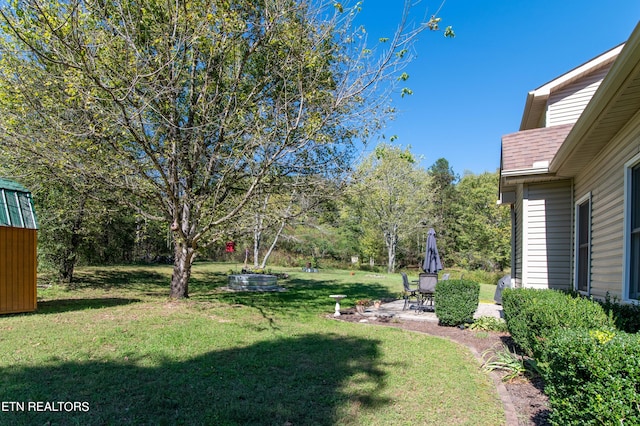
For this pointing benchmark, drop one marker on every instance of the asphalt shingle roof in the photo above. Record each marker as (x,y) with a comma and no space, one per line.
(522,149)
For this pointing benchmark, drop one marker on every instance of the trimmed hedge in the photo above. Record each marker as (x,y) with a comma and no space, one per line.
(593,377)
(456,301)
(533,316)
(626,316)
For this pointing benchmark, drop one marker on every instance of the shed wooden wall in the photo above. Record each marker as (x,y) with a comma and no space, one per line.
(17,269)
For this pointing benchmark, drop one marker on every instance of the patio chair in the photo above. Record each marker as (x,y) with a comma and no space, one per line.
(427,288)
(409,293)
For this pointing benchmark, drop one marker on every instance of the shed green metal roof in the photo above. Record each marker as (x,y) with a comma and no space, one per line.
(16,206)
(11,185)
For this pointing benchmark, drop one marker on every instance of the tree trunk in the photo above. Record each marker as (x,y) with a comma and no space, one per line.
(391,240)
(183,258)
(70,256)
(273,245)
(257,236)
(391,265)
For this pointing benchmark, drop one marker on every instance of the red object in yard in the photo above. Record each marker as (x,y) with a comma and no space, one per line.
(231,247)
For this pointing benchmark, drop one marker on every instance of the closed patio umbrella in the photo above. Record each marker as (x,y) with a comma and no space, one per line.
(432,262)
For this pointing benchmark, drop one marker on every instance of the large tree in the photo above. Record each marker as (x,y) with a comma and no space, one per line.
(392,194)
(442,207)
(191,106)
(483,239)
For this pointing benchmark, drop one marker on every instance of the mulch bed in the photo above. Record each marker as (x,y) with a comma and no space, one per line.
(525,403)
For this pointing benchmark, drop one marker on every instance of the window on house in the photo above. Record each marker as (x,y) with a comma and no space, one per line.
(634,233)
(583,244)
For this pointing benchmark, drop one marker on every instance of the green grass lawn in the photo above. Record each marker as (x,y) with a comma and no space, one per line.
(127,355)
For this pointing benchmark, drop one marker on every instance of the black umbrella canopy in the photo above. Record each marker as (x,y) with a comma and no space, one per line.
(432,262)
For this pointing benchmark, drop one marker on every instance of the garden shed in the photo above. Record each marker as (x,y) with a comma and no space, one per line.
(18,241)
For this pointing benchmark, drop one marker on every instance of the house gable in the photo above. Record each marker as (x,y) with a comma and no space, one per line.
(563,99)
(566,104)
(612,107)
(549,115)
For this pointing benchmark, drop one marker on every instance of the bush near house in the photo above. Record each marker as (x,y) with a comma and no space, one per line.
(533,316)
(593,377)
(456,301)
(591,369)
(626,317)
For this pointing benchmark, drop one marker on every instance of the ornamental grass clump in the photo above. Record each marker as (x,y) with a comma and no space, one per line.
(487,323)
(505,361)
(456,301)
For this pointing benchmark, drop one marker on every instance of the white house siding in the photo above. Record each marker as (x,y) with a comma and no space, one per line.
(566,105)
(516,248)
(605,179)
(546,240)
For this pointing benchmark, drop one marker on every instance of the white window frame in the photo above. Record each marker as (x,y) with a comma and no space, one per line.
(6,205)
(626,241)
(576,244)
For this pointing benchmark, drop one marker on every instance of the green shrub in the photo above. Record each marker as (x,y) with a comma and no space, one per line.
(533,315)
(368,268)
(593,377)
(456,301)
(625,316)
(488,323)
(484,277)
(477,275)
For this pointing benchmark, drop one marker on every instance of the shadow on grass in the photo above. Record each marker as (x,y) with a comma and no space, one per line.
(307,380)
(152,279)
(302,296)
(65,305)
(122,278)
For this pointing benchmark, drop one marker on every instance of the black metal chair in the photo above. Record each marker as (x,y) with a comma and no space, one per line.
(427,289)
(409,293)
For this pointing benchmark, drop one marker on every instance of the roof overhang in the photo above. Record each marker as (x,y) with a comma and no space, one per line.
(614,104)
(510,180)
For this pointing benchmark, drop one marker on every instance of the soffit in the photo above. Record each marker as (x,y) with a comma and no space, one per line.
(611,108)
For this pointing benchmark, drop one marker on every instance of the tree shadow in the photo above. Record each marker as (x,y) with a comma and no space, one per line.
(66,305)
(314,379)
(301,293)
(301,296)
(116,278)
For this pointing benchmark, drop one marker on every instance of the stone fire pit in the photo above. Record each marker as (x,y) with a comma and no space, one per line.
(254,282)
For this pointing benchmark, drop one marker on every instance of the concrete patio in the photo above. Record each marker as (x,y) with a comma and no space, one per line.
(394,310)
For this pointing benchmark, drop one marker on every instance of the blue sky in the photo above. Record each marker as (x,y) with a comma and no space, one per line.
(470,90)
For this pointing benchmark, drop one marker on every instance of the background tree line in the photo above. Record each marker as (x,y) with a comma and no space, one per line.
(381,216)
